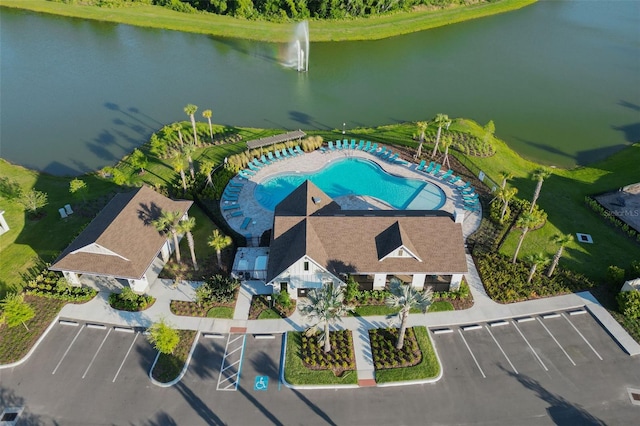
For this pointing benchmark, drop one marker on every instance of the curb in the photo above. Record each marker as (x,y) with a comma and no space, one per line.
(184,369)
(305,387)
(34,347)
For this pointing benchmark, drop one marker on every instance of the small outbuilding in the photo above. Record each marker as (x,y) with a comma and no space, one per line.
(121,241)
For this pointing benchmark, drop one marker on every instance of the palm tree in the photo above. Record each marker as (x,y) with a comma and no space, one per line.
(535,259)
(406,297)
(540,175)
(441,120)
(562,240)
(524,222)
(446,143)
(324,306)
(185,227)
(422,127)
(206,168)
(505,195)
(207,113)
(177,127)
(219,242)
(177,161)
(188,151)
(168,224)
(505,177)
(190,110)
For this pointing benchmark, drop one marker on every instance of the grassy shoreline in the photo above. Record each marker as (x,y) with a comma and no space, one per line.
(374,28)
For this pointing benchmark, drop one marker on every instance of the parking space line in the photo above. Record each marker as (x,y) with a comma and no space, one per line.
(501,350)
(96,354)
(125,357)
(530,347)
(554,339)
(233,379)
(68,349)
(229,366)
(583,338)
(471,352)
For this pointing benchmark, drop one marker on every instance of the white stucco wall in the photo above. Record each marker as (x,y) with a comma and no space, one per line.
(418,281)
(379,281)
(456,279)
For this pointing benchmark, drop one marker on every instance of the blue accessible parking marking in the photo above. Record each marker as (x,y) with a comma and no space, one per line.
(261,383)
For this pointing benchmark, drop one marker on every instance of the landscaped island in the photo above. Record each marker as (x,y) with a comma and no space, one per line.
(420,18)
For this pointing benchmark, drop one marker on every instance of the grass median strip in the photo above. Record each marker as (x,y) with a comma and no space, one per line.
(169,366)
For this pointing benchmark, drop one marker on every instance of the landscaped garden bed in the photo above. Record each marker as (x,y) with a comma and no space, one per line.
(306,363)
(276,308)
(53,285)
(415,361)
(169,366)
(208,309)
(15,342)
(129,301)
(215,298)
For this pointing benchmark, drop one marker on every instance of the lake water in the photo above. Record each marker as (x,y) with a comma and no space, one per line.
(560,79)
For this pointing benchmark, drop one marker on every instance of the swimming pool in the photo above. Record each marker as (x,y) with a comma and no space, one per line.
(354,176)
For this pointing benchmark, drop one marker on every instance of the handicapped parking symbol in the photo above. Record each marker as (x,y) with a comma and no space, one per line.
(261,383)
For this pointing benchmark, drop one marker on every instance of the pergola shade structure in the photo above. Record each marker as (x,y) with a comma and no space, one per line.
(283,137)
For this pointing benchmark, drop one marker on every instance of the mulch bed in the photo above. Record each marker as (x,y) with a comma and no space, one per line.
(385,354)
(259,304)
(339,359)
(192,309)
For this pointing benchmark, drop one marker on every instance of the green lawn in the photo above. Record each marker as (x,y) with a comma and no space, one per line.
(428,368)
(269,314)
(328,30)
(440,306)
(45,238)
(296,373)
(220,312)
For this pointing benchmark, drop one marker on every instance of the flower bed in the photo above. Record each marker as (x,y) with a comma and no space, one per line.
(339,360)
(53,285)
(195,309)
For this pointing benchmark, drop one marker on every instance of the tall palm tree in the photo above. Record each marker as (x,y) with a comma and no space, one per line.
(207,113)
(185,227)
(562,240)
(441,120)
(219,242)
(206,168)
(446,143)
(422,127)
(188,151)
(190,110)
(505,195)
(168,223)
(535,259)
(524,222)
(177,161)
(505,177)
(406,297)
(539,175)
(323,307)
(177,127)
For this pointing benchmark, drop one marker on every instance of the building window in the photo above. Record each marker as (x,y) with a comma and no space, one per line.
(306,266)
(400,252)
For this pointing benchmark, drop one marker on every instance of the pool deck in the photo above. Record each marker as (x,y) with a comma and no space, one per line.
(261,219)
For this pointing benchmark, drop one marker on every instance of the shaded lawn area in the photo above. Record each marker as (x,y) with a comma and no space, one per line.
(220,312)
(28,240)
(16,341)
(169,366)
(428,368)
(296,373)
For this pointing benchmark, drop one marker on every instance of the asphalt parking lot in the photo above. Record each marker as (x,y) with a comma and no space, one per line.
(93,352)
(542,344)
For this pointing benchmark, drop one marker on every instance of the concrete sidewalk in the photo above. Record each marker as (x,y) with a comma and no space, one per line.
(484,310)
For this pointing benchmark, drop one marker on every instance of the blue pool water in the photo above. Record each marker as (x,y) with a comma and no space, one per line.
(352,176)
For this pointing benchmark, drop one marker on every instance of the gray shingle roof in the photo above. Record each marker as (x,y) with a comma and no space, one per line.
(123,227)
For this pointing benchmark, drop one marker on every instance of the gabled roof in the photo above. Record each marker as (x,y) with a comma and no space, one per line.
(393,238)
(350,241)
(121,241)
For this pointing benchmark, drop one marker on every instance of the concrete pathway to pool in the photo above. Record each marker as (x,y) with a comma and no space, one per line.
(258,219)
